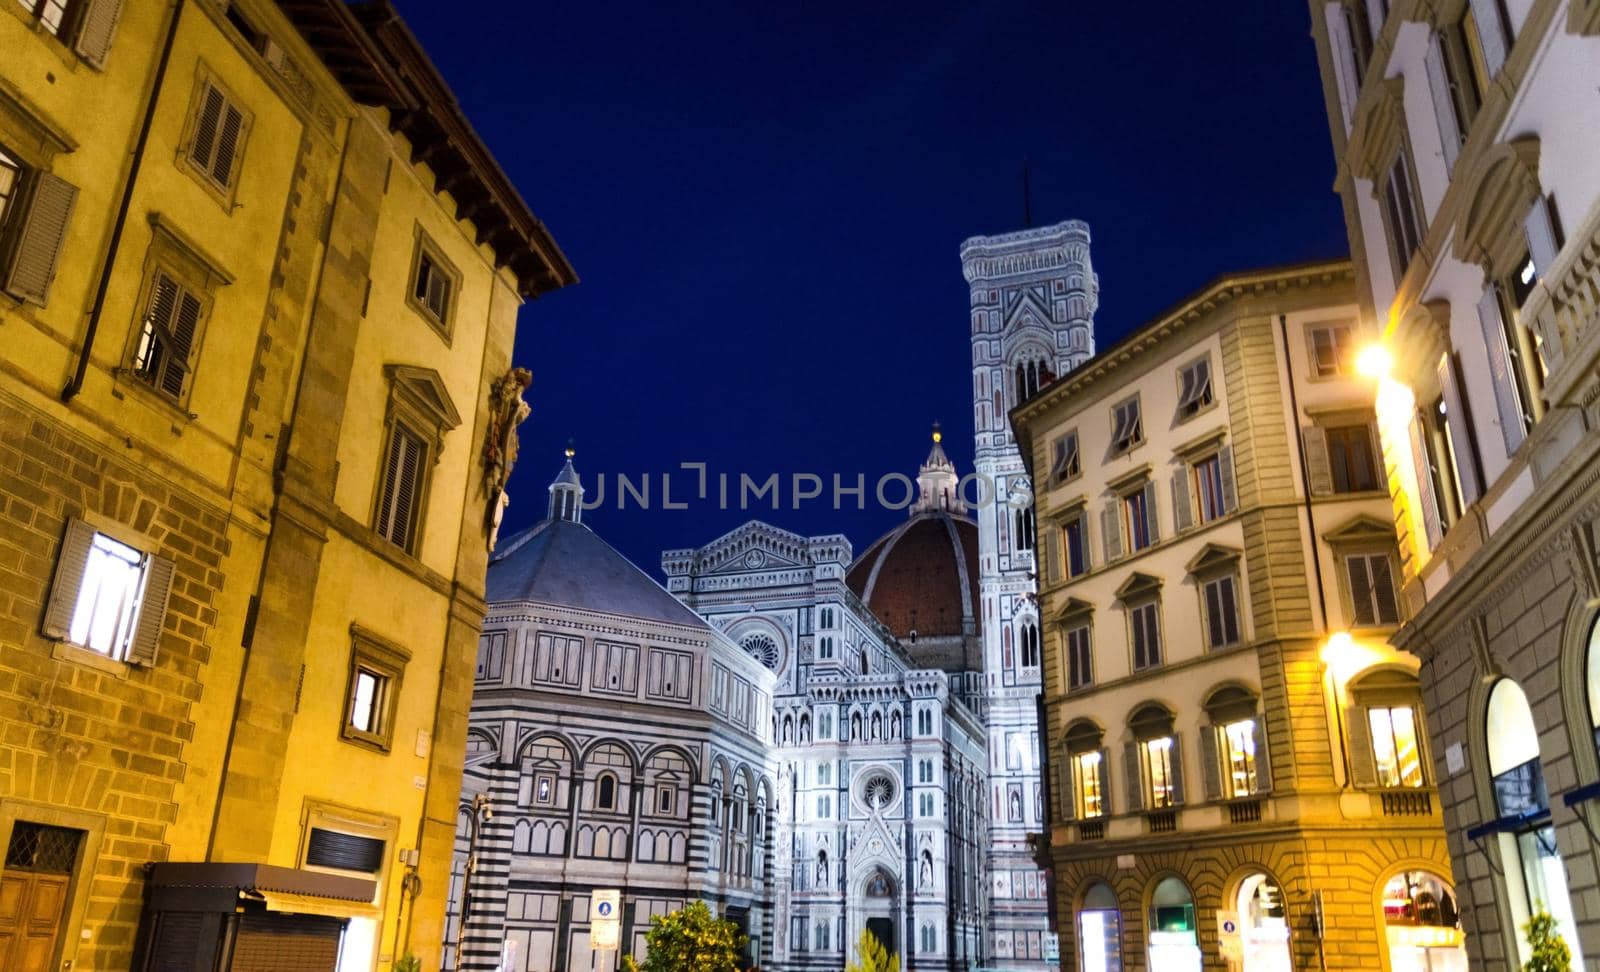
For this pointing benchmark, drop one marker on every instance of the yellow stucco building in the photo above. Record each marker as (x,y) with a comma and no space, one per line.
(1238,774)
(260,286)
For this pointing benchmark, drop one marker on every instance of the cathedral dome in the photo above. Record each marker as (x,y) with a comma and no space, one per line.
(921,578)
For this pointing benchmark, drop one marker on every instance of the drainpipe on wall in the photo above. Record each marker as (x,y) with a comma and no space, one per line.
(75,384)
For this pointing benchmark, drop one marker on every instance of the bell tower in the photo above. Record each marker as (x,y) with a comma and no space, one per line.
(1033,298)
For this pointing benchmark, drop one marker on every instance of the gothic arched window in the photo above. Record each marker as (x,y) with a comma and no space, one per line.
(606,792)
(1030,645)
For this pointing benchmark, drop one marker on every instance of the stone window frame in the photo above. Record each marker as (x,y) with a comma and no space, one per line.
(1384,687)
(372,653)
(178,256)
(144,652)
(419,401)
(1185,480)
(1314,445)
(1136,435)
(93,825)
(1066,457)
(1215,562)
(87,31)
(1149,721)
(34,221)
(1137,593)
(1076,615)
(443,324)
(1116,524)
(225,194)
(1380,138)
(1365,536)
(1082,738)
(1225,704)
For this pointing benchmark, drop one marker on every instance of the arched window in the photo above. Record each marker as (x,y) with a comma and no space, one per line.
(1174,938)
(1030,645)
(1534,872)
(605,795)
(1594,680)
(1100,929)
(1421,923)
(1032,374)
(863,660)
(1264,923)
(1023,524)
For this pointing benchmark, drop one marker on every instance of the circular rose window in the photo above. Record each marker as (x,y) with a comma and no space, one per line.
(763,649)
(878,791)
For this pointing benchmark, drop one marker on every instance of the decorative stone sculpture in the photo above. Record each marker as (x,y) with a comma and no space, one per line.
(506,412)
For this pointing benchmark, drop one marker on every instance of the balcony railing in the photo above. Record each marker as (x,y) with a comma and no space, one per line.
(1565,311)
(1244,811)
(1092,830)
(1406,803)
(1163,821)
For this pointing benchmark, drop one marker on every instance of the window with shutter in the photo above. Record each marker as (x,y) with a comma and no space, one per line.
(1074,536)
(165,345)
(1064,464)
(1222,612)
(1402,218)
(1211,501)
(1350,458)
(1144,622)
(1127,427)
(108,596)
(1080,666)
(1372,595)
(1194,388)
(35,209)
(400,490)
(1138,517)
(1332,350)
(216,138)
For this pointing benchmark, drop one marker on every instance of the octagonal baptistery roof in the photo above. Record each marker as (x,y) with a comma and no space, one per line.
(921,578)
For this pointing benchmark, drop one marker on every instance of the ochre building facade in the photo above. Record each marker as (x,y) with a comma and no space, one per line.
(1237,772)
(260,282)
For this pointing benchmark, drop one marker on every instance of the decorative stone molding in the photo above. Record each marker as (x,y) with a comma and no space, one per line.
(1505,182)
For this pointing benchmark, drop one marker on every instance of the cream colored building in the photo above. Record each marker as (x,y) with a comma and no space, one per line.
(1466,135)
(1235,761)
(258,278)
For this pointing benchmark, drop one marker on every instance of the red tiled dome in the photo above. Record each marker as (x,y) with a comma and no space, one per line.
(922,576)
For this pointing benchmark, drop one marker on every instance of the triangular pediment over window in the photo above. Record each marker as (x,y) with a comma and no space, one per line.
(1138,585)
(1075,607)
(1361,530)
(425,392)
(1211,557)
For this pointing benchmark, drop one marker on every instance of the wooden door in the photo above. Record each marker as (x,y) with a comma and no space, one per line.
(31,909)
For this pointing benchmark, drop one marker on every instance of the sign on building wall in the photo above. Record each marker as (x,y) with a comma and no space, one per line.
(605,920)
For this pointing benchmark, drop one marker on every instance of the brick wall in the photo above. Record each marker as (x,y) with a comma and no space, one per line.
(76,737)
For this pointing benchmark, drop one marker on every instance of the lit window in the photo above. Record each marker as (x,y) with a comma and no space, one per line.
(544,789)
(163,352)
(1239,776)
(51,14)
(10,179)
(108,597)
(374,688)
(1395,746)
(1156,755)
(1087,770)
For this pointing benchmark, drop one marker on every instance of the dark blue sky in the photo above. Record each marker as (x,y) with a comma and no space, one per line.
(765,202)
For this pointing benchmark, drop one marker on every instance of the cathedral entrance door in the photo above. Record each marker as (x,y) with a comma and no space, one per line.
(883,930)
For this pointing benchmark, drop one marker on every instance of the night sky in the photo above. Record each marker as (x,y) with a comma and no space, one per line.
(765,202)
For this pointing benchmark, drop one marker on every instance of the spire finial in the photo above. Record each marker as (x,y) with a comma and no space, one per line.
(937,435)
(570,450)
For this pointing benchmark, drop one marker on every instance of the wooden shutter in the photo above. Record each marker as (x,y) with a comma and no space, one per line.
(1344,50)
(1315,443)
(97,25)
(1069,789)
(1541,232)
(152,610)
(1461,435)
(1105,782)
(1151,519)
(1505,390)
(1131,772)
(1049,554)
(1491,36)
(1111,528)
(1230,493)
(1444,107)
(228,135)
(71,562)
(1215,632)
(409,473)
(1175,754)
(1182,507)
(1210,763)
(1140,647)
(1356,570)
(1388,608)
(1430,502)
(185,322)
(36,250)
(203,147)
(1263,758)
(1363,763)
